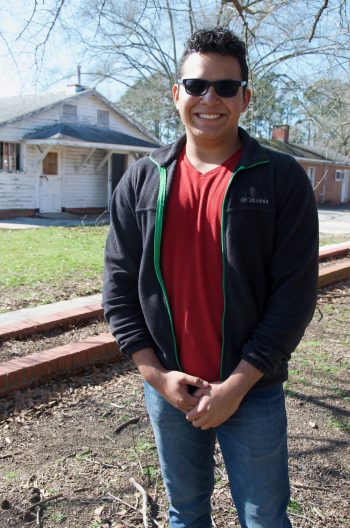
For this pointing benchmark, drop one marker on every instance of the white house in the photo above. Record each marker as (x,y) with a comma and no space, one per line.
(64,152)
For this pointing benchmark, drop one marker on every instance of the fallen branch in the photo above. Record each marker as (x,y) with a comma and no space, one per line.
(105,465)
(9,455)
(44,501)
(307,486)
(114,497)
(301,516)
(125,424)
(144,500)
(39,517)
(71,455)
(111,439)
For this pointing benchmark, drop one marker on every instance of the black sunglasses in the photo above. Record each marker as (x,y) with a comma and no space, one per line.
(225,88)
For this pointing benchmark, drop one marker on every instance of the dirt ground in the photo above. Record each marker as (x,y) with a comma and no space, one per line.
(45,293)
(75,442)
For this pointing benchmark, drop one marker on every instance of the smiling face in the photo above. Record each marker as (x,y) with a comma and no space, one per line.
(211,121)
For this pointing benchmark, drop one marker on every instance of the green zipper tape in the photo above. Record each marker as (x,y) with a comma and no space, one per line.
(157,247)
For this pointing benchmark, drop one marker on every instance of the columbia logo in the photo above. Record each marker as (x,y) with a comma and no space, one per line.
(253,196)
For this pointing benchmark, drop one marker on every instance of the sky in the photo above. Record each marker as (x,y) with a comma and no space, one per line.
(22,71)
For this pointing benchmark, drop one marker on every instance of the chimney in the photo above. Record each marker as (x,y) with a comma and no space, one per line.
(79,74)
(280,133)
(74,88)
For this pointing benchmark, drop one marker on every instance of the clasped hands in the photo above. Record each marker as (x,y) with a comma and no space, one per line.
(209,405)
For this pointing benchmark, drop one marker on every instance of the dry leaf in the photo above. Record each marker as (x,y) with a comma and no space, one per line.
(98,513)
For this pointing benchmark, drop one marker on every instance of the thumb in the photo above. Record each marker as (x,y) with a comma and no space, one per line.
(195,381)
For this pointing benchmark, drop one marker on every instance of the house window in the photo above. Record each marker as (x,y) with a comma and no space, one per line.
(70,112)
(9,156)
(311,174)
(50,164)
(339,175)
(103,118)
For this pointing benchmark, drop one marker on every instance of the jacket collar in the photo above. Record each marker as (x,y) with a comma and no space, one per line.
(252,153)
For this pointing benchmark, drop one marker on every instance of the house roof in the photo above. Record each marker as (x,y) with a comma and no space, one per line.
(88,133)
(23,106)
(306,151)
(19,106)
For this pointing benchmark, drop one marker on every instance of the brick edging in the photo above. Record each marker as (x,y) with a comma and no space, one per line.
(335,251)
(44,322)
(332,274)
(20,373)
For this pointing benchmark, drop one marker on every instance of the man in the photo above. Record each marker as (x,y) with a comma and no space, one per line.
(210,281)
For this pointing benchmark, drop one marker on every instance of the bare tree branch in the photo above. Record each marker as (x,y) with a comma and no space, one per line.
(318,16)
(29,21)
(52,25)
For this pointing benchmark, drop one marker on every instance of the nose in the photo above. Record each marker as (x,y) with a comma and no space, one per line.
(210,96)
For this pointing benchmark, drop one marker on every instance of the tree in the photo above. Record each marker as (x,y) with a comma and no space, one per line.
(271,103)
(326,115)
(138,42)
(157,112)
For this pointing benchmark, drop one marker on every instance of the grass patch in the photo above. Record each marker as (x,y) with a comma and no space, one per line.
(10,475)
(326,240)
(31,256)
(294,507)
(58,517)
(50,255)
(83,455)
(338,423)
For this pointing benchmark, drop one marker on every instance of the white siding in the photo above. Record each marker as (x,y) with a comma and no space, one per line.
(18,190)
(87,113)
(85,187)
(16,130)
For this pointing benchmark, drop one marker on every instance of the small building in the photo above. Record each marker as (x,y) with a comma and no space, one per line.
(328,171)
(64,152)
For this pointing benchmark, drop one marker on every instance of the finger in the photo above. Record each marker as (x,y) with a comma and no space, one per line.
(186,402)
(198,393)
(194,414)
(194,381)
(201,423)
(189,399)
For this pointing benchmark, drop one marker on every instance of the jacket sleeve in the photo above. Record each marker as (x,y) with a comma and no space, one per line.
(293,274)
(123,253)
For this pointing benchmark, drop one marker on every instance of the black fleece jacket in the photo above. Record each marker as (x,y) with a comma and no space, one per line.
(270,260)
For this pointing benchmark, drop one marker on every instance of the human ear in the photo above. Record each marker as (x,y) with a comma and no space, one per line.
(175,92)
(246,98)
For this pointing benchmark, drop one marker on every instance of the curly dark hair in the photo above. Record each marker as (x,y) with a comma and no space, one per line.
(216,40)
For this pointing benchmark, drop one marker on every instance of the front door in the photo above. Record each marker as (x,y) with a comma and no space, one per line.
(50,191)
(344,188)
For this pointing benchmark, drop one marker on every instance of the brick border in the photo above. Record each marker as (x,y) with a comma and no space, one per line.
(334,251)
(22,372)
(16,213)
(332,274)
(44,322)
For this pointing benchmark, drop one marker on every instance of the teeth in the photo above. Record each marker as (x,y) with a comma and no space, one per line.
(209,116)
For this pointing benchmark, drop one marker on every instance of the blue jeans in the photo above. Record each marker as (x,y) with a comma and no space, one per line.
(254,447)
